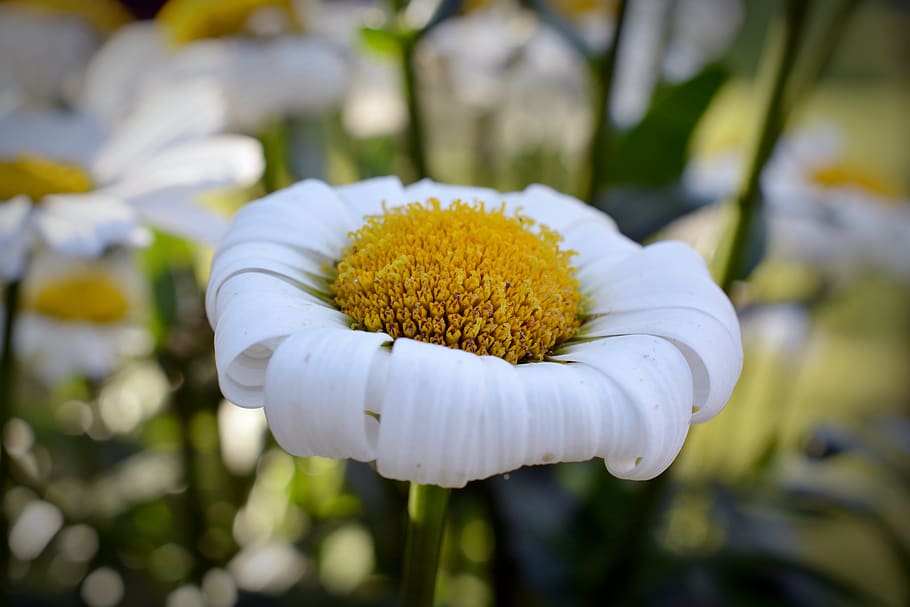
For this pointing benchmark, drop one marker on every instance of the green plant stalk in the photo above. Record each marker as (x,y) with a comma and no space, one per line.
(816,58)
(427,506)
(777,65)
(603,75)
(7,376)
(274,139)
(415,131)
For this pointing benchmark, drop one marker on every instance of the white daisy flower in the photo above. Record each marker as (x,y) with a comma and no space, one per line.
(81,316)
(66,182)
(46,44)
(822,209)
(249,48)
(333,307)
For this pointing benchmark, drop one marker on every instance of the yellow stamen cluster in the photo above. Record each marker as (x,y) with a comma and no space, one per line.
(463,277)
(90,297)
(36,177)
(844,175)
(188,20)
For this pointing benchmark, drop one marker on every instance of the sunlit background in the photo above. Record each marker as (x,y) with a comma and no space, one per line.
(130,481)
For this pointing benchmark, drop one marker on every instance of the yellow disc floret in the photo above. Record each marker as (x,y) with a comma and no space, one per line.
(189,20)
(464,277)
(89,297)
(36,177)
(845,175)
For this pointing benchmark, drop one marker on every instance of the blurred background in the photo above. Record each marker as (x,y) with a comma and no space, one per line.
(129,481)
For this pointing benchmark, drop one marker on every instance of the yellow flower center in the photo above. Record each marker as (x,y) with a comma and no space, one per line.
(189,20)
(463,277)
(843,175)
(103,15)
(89,297)
(36,177)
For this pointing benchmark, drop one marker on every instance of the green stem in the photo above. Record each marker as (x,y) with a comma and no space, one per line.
(604,70)
(277,174)
(415,132)
(427,505)
(815,59)
(7,373)
(779,56)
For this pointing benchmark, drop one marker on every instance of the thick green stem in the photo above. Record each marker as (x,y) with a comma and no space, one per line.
(779,58)
(277,172)
(415,133)
(604,70)
(427,505)
(7,373)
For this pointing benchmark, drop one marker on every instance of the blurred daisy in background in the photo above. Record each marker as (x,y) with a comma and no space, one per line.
(79,186)
(254,50)
(81,317)
(822,209)
(45,46)
(377,328)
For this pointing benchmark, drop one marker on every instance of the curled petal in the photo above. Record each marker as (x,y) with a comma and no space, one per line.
(316,393)
(553,209)
(253,314)
(308,215)
(647,412)
(666,291)
(597,242)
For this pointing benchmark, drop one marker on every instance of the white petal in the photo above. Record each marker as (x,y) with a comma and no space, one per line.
(665,290)
(308,215)
(253,314)
(64,136)
(112,79)
(447,193)
(597,241)
(85,224)
(316,397)
(449,416)
(16,236)
(178,211)
(366,197)
(164,118)
(272,259)
(210,162)
(553,209)
(648,410)
(565,406)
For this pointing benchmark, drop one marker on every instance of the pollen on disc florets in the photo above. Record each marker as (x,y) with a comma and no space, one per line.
(464,277)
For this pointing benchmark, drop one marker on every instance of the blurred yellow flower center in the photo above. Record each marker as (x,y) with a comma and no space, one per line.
(36,177)
(189,20)
(844,175)
(90,297)
(103,15)
(463,277)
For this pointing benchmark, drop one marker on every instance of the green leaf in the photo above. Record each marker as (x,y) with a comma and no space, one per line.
(655,151)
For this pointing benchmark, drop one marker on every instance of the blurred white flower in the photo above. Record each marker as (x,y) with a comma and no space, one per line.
(78,187)
(655,347)
(264,68)
(46,44)
(822,209)
(669,40)
(81,316)
(500,61)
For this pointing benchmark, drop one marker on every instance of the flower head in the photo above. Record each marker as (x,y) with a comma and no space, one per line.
(81,316)
(251,49)
(70,183)
(451,333)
